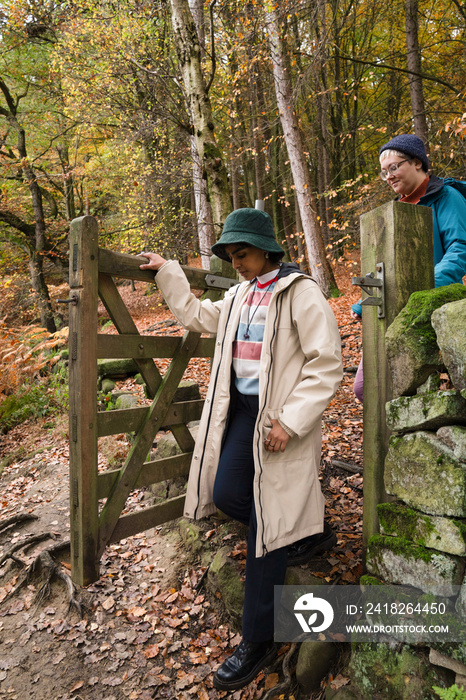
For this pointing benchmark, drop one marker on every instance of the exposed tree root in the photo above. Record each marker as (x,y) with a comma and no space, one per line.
(43,563)
(286,683)
(24,544)
(20,518)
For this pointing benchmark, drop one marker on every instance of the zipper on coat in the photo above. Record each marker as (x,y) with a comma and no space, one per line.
(212,404)
(259,437)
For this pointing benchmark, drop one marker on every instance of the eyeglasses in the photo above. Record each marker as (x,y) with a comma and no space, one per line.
(391,170)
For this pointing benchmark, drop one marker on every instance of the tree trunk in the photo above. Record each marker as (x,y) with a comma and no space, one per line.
(414,64)
(199,107)
(67,182)
(319,265)
(39,286)
(234,168)
(36,242)
(197,11)
(205,225)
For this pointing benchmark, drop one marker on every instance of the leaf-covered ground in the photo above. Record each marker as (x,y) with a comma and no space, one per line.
(148,628)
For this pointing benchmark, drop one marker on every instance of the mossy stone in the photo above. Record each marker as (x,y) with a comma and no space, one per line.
(126,401)
(448,321)
(428,411)
(455,650)
(224,582)
(454,437)
(314,662)
(444,534)
(167,446)
(378,671)
(432,383)
(190,534)
(424,473)
(410,341)
(108,385)
(116,368)
(398,561)
(187,391)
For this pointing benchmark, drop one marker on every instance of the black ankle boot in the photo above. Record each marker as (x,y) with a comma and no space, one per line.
(300,552)
(244,664)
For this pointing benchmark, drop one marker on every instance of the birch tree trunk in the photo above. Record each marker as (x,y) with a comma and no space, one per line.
(204,221)
(205,224)
(197,11)
(318,263)
(413,57)
(189,57)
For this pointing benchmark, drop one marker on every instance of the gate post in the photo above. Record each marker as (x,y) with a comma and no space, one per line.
(399,236)
(84,258)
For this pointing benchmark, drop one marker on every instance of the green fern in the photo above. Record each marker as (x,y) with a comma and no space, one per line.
(452,693)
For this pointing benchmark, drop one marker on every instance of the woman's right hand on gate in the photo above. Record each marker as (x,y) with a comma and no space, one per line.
(155,261)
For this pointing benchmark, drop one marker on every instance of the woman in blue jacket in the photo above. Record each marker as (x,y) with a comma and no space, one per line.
(405,166)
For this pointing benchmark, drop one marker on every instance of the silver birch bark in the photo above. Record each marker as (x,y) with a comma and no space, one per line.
(204,222)
(189,57)
(205,225)
(318,263)
(197,11)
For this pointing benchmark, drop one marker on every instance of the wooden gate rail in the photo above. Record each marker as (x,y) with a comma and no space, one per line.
(93,526)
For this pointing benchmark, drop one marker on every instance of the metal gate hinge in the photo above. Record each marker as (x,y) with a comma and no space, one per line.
(368,283)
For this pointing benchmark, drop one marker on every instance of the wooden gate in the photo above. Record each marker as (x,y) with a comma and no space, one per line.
(98,499)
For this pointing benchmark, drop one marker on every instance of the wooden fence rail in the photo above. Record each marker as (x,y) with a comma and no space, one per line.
(98,499)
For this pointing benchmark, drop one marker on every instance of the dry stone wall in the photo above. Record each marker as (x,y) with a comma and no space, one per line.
(422,540)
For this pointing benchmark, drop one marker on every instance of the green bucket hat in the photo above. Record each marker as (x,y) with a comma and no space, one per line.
(250,226)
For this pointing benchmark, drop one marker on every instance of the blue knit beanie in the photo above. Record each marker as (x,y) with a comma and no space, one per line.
(410,145)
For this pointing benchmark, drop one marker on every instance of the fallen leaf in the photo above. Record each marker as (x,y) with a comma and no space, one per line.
(151,651)
(339,682)
(77,686)
(271,681)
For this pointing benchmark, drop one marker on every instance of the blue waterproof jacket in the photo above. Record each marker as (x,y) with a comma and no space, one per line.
(449,227)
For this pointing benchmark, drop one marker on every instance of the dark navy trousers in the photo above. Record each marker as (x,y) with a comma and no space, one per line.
(233,495)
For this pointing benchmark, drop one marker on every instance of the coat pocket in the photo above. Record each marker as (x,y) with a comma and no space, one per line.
(293,448)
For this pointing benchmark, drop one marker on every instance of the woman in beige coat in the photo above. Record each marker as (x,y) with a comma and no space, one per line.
(276,367)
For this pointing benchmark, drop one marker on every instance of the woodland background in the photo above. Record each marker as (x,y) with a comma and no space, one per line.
(159,117)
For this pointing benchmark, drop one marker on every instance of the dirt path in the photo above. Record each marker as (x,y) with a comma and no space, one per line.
(142,620)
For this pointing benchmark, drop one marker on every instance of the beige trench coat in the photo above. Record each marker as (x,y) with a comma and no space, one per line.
(300,371)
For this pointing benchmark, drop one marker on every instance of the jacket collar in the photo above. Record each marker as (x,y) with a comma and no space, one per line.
(288,272)
(434,188)
(289,268)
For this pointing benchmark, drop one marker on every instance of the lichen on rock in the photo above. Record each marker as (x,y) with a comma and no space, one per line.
(411,343)
(424,473)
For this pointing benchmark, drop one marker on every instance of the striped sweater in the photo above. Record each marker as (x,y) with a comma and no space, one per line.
(250,334)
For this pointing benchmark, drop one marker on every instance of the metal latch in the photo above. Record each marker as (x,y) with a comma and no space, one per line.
(368,283)
(72,300)
(220,282)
